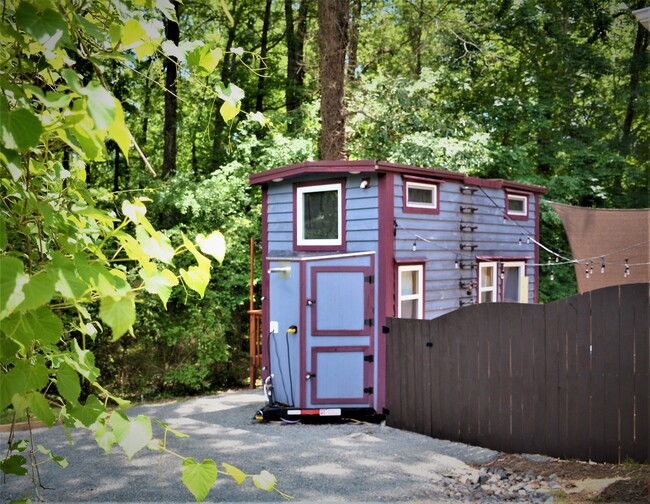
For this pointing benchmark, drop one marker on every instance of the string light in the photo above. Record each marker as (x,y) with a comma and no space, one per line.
(602,264)
(414,247)
(627,269)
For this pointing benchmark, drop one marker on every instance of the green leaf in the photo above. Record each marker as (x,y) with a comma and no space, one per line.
(83,361)
(118,314)
(23,377)
(214,244)
(67,382)
(155,244)
(119,132)
(3,234)
(14,465)
(158,282)
(12,160)
(204,59)
(12,281)
(134,211)
(60,461)
(196,278)
(89,412)
(228,111)
(169,429)
(8,349)
(100,105)
(20,130)
(38,291)
(131,435)
(38,406)
(105,438)
(47,27)
(235,473)
(199,477)
(35,325)
(66,281)
(265,481)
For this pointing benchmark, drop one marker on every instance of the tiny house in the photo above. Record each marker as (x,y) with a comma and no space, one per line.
(346,244)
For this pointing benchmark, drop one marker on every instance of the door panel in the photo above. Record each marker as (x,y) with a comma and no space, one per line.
(340,375)
(341,306)
(340,331)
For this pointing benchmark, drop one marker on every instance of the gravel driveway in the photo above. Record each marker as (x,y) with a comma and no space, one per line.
(318,463)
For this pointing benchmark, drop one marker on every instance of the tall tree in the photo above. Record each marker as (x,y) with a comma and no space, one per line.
(264,49)
(296,31)
(332,45)
(172,32)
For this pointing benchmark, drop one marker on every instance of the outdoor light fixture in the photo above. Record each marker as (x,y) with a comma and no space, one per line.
(365,183)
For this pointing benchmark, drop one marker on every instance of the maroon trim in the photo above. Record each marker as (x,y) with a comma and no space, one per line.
(536,269)
(526,195)
(324,248)
(364,166)
(302,299)
(367,303)
(508,259)
(385,284)
(414,261)
(367,370)
(413,209)
(265,284)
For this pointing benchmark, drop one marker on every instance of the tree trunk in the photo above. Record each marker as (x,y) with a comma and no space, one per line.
(295,35)
(332,45)
(639,61)
(259,102)
(353,46)
(172,32)
(226,71)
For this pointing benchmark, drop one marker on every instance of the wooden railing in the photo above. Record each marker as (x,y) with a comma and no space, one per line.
(255,336)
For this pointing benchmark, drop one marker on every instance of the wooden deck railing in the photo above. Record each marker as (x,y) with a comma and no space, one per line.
(255,335)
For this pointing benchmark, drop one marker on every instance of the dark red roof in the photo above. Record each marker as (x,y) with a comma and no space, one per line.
(369,166)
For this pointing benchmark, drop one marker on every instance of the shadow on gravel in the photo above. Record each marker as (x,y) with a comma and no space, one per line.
(328,462)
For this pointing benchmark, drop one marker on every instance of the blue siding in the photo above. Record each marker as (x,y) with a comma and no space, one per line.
(442,236)
(361,210)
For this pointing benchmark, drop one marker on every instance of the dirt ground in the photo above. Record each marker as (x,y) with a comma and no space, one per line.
(586,482)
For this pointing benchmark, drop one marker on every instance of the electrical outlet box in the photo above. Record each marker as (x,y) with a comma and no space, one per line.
(274,326)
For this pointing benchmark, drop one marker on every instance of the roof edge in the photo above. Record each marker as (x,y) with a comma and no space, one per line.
(365,166)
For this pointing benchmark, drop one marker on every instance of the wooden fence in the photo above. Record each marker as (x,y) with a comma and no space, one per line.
(569,379)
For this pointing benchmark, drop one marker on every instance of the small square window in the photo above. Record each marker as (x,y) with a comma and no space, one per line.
(420,196)
(319,219)
(517,205)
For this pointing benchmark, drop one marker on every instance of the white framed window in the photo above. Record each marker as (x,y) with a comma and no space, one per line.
(487,282)
(421,196)
(410,288)
(517,205)
(502,281)
(319,215)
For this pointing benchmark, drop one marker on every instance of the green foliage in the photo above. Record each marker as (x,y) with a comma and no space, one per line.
(72,271)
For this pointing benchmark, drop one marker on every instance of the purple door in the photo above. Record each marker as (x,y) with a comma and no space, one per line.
(340,333)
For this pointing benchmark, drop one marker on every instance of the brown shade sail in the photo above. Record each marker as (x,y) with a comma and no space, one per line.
(618,238)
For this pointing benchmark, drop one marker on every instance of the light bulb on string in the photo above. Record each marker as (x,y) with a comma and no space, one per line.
(602,264)
(552,275)
(414,247)
(627,269)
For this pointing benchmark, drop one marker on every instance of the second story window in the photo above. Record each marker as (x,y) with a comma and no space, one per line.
(420,197)
(319,215)
(517,205)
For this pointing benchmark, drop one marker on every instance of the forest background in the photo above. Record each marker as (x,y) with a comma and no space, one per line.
(548,92)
